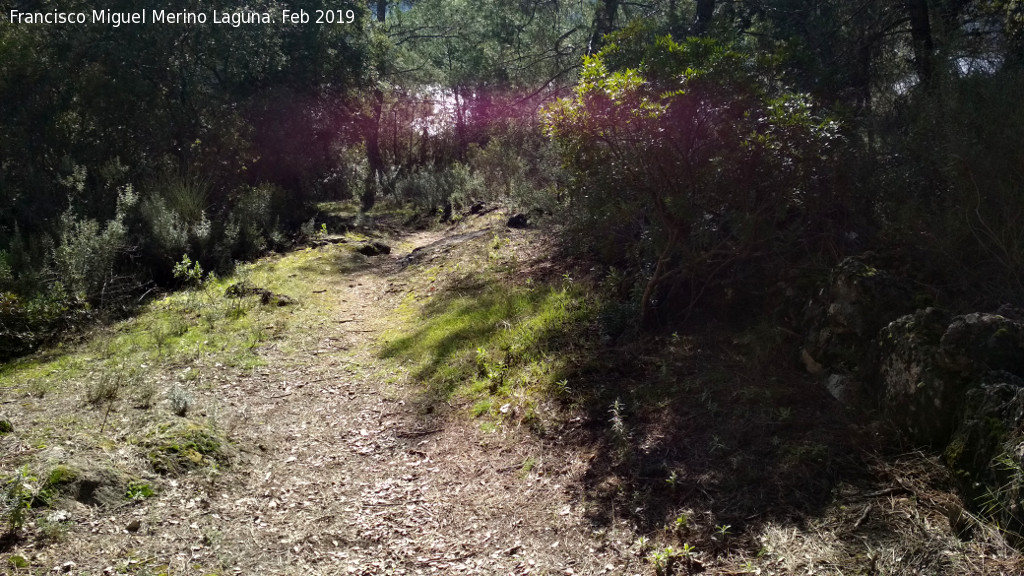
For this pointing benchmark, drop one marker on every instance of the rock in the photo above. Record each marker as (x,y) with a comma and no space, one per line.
(842,322)
(276,299)
(1011,312)
(244,289)
(916,392)
(985,454)
(519,220)
(6,427)
(927,362)
(844,388)
(976,343)
(848,313)
(57,516)
(374,248)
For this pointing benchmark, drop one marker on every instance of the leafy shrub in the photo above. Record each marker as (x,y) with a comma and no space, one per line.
(18,494)
(176,218)
(252,223)
(695,171)
(188,272)
(441,189)
(86,254)
(518,165)
(139,490)
(27,323)
(6,273)
(181,401)
(951,193)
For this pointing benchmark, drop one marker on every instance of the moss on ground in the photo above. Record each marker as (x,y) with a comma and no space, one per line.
(180,447)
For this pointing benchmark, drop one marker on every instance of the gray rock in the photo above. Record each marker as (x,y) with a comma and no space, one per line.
(927,362)
(977,343)
(985,454)
(844,388)
(848,313)
(916,392)
(374,248)
(57,516)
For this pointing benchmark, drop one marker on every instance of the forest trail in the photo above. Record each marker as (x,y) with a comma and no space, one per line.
(348,478)
(336,469)
(437,410)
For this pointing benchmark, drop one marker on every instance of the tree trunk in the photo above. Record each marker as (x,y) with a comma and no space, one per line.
(675,28)
(382,10)
(647,312)
(604,23)
(921,36)
(461,139)
(702,21)
(374,159)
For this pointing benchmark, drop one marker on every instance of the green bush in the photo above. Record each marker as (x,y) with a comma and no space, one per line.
(518,165)
(441,189)
(188,272)
(6,272)
(27,323)
(252,223)
(695,171)
(86,254)
(176,218)
(951,193)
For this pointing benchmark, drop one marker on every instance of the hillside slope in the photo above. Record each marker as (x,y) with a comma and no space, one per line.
(443,410)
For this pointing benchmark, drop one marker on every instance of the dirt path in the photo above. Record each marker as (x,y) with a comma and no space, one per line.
(340,462)
(338,473)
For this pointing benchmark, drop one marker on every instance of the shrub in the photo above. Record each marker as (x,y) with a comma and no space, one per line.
(441,189)
(188,272)
(86,254)
(695,170)
(176,219)
(27,323)
(6,273)
(520,166)
(252,223)
(951,193)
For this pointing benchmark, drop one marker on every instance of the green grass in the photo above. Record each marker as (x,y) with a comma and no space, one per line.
(81,392)
(499,347)
(199,327)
